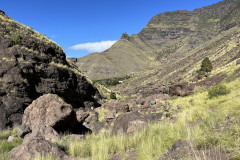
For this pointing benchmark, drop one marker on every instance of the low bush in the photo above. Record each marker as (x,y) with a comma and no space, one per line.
(218,90)
(16,37)
(111,81)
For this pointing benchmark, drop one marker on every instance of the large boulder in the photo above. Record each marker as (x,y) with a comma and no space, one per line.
(38,146)
(51,110)
(117,106)
(180,89)
(32,66)
(129,123)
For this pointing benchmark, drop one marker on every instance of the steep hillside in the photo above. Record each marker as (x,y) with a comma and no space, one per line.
(128,55)
(172,33)
(32,65)
(221,50)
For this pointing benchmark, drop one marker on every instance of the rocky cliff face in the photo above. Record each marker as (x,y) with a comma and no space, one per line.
(32,65)
(171,33)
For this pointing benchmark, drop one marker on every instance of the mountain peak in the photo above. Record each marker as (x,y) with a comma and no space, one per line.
(125,36)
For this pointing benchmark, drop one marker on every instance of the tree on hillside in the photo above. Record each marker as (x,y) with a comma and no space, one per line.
(206,67)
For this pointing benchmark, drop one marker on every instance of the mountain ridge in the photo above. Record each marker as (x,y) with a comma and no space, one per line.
(174,32)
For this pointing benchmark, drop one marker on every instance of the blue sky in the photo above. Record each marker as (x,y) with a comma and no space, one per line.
(77,22)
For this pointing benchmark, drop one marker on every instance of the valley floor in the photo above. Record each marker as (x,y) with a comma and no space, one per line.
(211,126)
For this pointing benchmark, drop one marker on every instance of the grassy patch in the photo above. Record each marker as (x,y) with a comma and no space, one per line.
(218,90)
(209,123)
(6,146)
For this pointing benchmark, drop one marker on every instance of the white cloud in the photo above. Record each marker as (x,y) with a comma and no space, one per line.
(93,47)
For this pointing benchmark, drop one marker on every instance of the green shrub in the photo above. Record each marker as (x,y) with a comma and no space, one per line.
(113,95)
(205,67)
(111,81)
(16,37)
(218,90)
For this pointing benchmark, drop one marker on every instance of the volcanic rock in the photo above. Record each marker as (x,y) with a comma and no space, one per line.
(34,147)
(129,122)
(180,89)
(117,106)
(23,130)
(81,115)
(32,65)
(50,110)
(46,132)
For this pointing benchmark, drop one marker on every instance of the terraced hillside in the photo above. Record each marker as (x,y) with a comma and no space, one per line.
(167,38)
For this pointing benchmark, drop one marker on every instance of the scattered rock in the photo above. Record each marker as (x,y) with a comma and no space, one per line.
(97,126)
(93,117)
(81,116)
(141,101)
(162,97)
(126,122)
(12,137)
(36,146)
(23,130)
(183,149)
(110,117)
(214,80)
(154,117)
(46,132)
(146,105)
(238,62)
(117,106)
(152,102)
(180,89)
(136,125)
(132,103)
(131,155)
(88,105)
(77,137)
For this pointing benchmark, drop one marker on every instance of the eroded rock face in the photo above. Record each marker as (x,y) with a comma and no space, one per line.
(37,146)
(50,110)
(32,67)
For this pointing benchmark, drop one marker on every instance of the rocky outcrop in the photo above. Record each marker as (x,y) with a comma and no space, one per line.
(30,66)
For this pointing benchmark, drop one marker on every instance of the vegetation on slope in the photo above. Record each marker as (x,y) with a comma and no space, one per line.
(208,123)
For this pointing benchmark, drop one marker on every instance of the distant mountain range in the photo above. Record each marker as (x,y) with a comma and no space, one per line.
(166,39)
